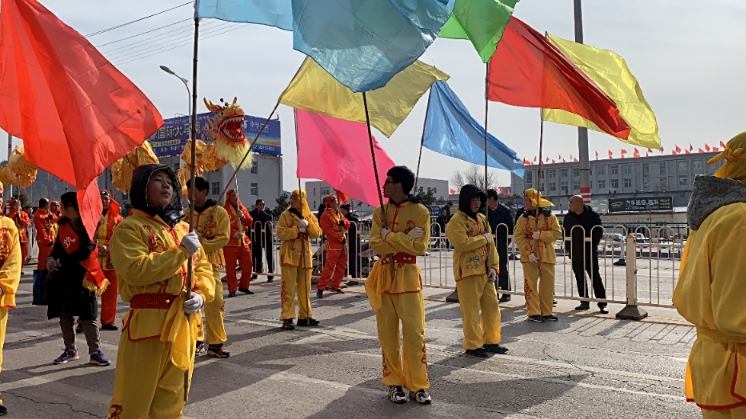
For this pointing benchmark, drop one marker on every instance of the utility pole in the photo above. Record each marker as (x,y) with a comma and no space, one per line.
(585,167)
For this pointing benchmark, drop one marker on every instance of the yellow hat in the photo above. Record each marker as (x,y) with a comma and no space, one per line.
(536,199)
(735,159)
(305,209)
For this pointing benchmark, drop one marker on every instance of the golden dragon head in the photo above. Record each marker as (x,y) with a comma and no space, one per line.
(228,123)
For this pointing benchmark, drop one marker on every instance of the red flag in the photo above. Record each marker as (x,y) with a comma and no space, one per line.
(650,150)
(611,154)
(75,112)
(596,154)
(691,147)
(700,150)
(635,153)
(707,147)
(662,149)
(526,162)
(715,149)
(527,70)
(623,152)
(677,150)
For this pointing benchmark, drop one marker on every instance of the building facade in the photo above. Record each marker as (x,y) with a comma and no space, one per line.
(654,178)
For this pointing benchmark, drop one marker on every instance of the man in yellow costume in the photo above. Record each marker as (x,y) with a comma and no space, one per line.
(475,267)
(149,251)
(296,226)
(400,233)
(213,226)
(536,231)
(711,288)
(10,276)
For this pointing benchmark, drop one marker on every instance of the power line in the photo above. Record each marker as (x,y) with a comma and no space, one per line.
(116,41)
(121,25)
(153,39)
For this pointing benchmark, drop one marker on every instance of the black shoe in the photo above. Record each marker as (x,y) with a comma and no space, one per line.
(583,307)
(550,318)
(603,310)
(309,322)
(495,348)
(246,291)
(336,290)
(288,324)
(270,278)
(554,303)
(216,351)
(505,298)
(253,276)
(231,294)
(109,326)
(78,329)
(3,410)
(200,349)
(536,319)
(319,293)
(397,395)
(479,352)
(421,397)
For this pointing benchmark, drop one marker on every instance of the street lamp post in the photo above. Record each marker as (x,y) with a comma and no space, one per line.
(183,80)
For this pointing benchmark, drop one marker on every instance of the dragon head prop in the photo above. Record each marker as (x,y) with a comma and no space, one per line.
(226,130)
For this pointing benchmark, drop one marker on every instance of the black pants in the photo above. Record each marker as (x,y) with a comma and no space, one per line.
(256,253)
(590,265)
(503,278)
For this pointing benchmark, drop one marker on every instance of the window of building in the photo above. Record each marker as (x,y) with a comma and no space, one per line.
(530,178)
(683,181)
(645,183)
(613,170)
(215,188)
(563,187)
(601,184)
(576,172)
(627,183)
(682,166)
(552,186)
(663,183)
(614,183)
(601,171)
(255,167)
(645,169)
(255,189)
(576,186)
(627,169)
(697,166)
(551,173)
(563,172)
(663,168)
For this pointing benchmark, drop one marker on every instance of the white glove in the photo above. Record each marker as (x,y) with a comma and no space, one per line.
(492,276)
(384,232)
(536,235)
(194,303)
(191,243)
(488,236)
(52,264)
(302,225)
(416,233)
(532,258)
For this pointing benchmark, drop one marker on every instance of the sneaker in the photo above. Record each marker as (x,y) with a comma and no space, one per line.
(231,294)
(603,310)
(200,349)
(536,319)
(270,278)
(550,318)
(98,359)
(554,303)
(479,352)
(583,307)
(337,290)
(319,293)
(397,395)
(67,356)
(495,348)
(309,322)
(421,397)
(288,324)
(216,351)
(505,298)
(246,291)
(3,410)
(109,326)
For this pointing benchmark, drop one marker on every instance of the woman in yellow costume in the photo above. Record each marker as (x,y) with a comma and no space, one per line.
(711,288)
(296,226)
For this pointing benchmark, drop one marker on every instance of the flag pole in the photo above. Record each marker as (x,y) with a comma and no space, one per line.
(486,113)
(297,149)
(541,149)
(422,142)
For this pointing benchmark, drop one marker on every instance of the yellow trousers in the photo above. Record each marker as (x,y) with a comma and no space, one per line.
(146,382)
(480,311)
(737,413)
(215,313)
(539,296)
(409,370)
(295,280)
(3,328)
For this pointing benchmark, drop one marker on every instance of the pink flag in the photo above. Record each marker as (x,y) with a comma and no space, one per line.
(337,152)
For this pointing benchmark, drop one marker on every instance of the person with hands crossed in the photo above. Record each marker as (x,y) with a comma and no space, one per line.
(150,251)
(335,227)
(475,267)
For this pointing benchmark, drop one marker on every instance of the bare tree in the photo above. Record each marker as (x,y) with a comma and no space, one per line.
(474,175)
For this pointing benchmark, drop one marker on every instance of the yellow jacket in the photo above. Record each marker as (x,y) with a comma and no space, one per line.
(148,259)
(295,250)
(214,228)
(10,262)
(710,294)
(473,253)
(104,230)
(543,248)
(403,277)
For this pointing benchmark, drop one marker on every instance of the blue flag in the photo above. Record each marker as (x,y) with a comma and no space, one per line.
(362,43)
(451,130)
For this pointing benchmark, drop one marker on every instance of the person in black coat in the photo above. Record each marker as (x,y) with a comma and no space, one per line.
(582,222)
(261,239)
(501,223)
(352,241)
(67,296)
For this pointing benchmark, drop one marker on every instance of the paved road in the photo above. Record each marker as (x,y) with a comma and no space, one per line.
(580,367)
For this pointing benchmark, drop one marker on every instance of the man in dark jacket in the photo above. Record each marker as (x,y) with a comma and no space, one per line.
(261,239)
(352,241)
(582,223)
(501,223)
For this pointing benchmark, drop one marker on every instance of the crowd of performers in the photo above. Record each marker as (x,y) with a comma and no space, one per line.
(142,259)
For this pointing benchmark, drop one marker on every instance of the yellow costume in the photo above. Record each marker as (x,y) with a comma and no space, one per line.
(547,225)
(710,290)
(157,344)
(10,273)
(394,289)
(473,256)
(213,226)
(296,260)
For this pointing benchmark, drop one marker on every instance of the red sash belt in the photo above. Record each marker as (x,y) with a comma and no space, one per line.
(401,258)
(153,301)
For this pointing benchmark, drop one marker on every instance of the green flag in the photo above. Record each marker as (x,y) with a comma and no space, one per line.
(480,21)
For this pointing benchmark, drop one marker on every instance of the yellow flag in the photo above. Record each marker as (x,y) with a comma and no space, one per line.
(610,73)
(315,90)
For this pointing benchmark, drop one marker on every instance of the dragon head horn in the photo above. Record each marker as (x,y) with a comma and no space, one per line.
(211,106)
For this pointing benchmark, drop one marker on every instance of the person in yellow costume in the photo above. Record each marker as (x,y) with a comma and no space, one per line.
(536,231)
(213,226)
(10,276)
(400,233)
(475,267)
(296,226)
(149,251)
(711,287)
